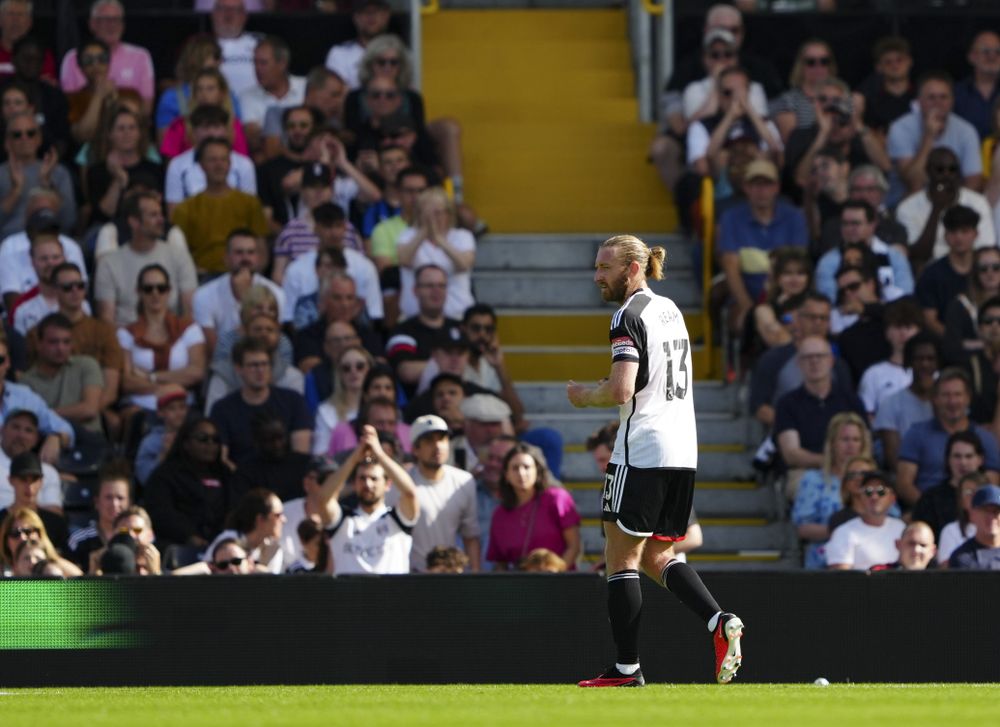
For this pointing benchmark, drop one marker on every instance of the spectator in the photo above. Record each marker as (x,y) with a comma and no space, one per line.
(482,417)
(819,495)
(961,316)
(275,86)
(378,409)
(890,375)
(702,98)
(339,302)
(487,366)
(982,551)
(339,335)
(40,300)
(976,95)
(981,365)
(351,371)
(70,384)
(446,396)
(121,150)
(532,514)
(132,523)
(922,461)
(870,538)
(236,413)
(446,560)
(601,444)
(56,431)
(314,551)
(750,230)
(858,223)
(375,537)
(218,302)
(161,348)
(200,52)
(271,463)
(888,92)
(115,289)
(26,480)
(371,18)
(24,524)
(112,497)
(961,528)
(802,415)
(436,241)
(791,276)
(261,325)
(916,549)
(938,505)
(209,217)
(309,506)
(931,125)
(447,495)
(48,100)
(188,494)
(228,557)
(945,278)
(868,184)
(256,523)
(857,294)
(922,356)
(324,100)
(851,496)
(279,179)
(172,411)
(24,171)
(391,161)
(796,108)
(209,88)
(131,65)
(488,474)
(19,434)
(89,104)
(186,175)
(229,18)
(15,23)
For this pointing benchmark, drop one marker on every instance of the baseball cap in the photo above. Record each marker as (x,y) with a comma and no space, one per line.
(119,558)
(427,424)
(986,496)
(26,464)
(485,408)
(718,34)
(321,466)
(316,175)
(173,393)
(43,220)
(450,337)
(761,168)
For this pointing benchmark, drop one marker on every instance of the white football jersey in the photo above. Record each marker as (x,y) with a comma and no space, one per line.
(657,427)
(371,543)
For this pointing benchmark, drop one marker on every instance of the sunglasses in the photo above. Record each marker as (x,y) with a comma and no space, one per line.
(23,532)
(383,94)
(155,288)
(880,491)
(18,134)
(206,438)
(850,287)
(89,59)
(387,61)
(946,169)
(989,321)
(75,285)
(988,268)
(132,531)
(229,563)
(356,366)
(718,55)
(482,328)
(813,61)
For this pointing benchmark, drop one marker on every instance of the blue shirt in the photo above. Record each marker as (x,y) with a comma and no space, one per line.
(971,106)
(924,444)
(973,555)
(741,232)
(19,396)
(169,106)
(894,270)
(148,457)
(958,135)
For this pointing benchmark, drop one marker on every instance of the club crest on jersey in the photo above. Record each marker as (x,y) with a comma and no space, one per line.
(623,346)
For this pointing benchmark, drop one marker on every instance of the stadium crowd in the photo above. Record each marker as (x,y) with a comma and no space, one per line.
(239,313)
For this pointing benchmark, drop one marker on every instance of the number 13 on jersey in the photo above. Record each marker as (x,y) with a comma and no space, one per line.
(670,348)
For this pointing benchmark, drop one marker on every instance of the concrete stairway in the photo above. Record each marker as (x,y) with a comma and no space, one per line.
(553,326)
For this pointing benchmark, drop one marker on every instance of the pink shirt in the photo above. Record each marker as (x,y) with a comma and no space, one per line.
(175,141)
(509,528)
(343,438)
(131,67)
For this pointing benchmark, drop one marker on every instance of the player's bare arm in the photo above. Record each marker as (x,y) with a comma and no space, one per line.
(615,390)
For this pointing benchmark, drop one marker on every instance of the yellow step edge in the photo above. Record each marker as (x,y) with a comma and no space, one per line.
(697,485)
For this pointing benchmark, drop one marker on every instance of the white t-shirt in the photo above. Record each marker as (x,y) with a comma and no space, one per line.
(237,61)
(300,280)
(50,494)
(143,357)
(107,240)
(371,543)
(344,59)
(268,554)
(951,537)
(861,546)
(881,381)
(255,101)
(912,213)
(16,272)
(459,283)
(186,178)
(326,420)
(295,513)
(696,92)
(698,139)
(485,376)
(447,510)
(216,307)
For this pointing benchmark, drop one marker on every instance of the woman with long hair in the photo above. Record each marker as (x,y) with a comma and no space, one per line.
(160,347)
(201,52)
(86,105)
(209,88)
(796,108)
(257,523)
(961,528)
(938,505)
(791,275)
(532,513)
(961,316)
(24,525)
(349,373)
(819,496)
(379,407)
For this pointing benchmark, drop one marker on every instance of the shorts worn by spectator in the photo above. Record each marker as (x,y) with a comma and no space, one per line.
(19,434)
(114,284)
(970,102)
(208,218)
(946,278)
(371,18)
(112,497)
(870,539)
(229,19)
(447,495)
(131,65)
(982,551)
(17,274)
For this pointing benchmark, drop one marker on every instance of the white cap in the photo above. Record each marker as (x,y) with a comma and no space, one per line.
(425,425)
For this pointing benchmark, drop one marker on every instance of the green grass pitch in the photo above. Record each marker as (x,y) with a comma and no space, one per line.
(770,705)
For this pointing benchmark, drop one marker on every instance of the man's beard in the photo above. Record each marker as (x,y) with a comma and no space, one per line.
(615,290)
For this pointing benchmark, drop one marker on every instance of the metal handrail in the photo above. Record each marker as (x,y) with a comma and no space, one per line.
(706,204)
